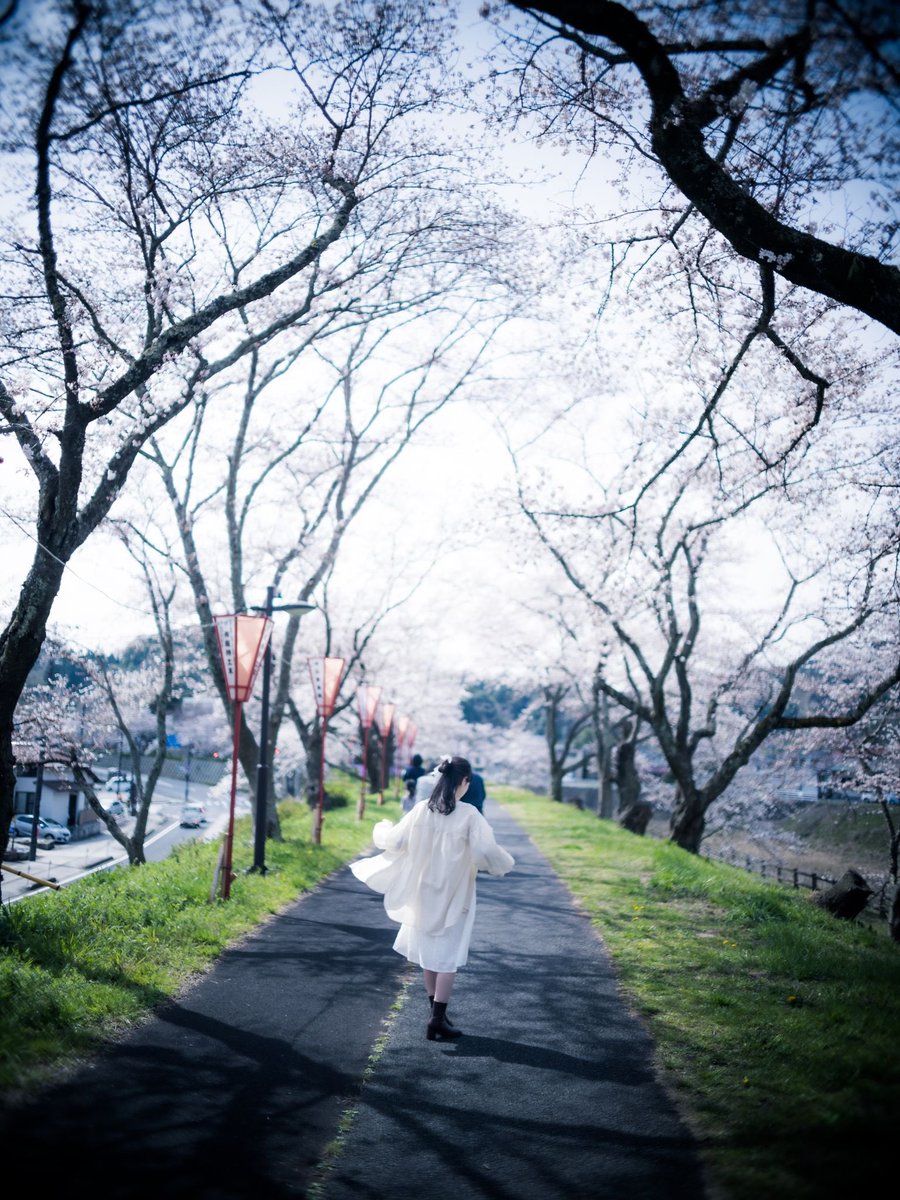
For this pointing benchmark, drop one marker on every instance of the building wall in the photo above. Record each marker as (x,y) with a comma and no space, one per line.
(61,800)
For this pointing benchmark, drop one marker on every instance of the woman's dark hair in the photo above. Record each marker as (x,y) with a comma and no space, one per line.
(452,772)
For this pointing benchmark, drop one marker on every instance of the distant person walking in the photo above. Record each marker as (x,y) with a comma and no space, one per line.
(476,793)
(426,873)
(426,783)
(412,773)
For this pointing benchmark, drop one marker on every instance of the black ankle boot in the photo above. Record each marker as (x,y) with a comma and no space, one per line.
(438,1027)
(447,1020)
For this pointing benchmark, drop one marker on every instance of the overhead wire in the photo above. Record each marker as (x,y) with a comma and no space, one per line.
(87,582)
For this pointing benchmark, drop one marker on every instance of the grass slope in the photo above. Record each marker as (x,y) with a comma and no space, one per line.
(775,1024)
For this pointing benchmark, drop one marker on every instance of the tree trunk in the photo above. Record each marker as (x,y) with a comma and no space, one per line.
(605,745)
(373,762)
(606,797)
(636,817)
(846,898)
(688,821)
(627,778)
(894,915)
(313,747)
(556,782)
(20,646)
(551,698)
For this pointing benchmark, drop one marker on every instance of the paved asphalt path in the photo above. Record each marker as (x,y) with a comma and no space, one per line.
(233,1091)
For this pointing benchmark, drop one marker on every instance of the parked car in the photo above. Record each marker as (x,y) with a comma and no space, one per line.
(192,817)
(116,807)
(50,832)
(118,784)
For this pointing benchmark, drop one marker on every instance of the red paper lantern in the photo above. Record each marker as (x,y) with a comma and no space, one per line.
(242,639)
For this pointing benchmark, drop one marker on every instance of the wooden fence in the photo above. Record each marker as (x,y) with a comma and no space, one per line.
(788,875)
(793,877)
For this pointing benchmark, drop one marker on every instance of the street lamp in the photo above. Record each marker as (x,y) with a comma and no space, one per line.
(325,674)
(385,717)
(38,789)
(187,776)
(242,643)
(367,697)
(262,766)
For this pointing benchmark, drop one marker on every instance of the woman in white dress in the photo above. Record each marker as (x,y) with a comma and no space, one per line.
(426,873)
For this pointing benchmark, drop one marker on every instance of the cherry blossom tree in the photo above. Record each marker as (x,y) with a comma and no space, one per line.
(288,491)
(756,117)
(76,723)
(863,761)
(715,673)
(732,229)
(135,136)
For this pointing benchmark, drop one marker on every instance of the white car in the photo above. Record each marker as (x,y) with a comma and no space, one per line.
(118,784)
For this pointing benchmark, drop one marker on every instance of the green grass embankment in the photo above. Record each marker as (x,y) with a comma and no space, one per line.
(775,1024)
(83,964)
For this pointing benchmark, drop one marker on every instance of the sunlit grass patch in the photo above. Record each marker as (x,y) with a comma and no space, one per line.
(82,964)
(774,1022)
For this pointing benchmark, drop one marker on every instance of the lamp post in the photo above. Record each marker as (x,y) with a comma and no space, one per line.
(325,674)
(367,697)
(187,775)
(385,717)
(38,789)
(401,725)
(262,765)
(242,640)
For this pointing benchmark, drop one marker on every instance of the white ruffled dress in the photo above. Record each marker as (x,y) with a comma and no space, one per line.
(426,873)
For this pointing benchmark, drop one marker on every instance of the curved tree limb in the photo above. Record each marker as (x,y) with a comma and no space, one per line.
(676,134)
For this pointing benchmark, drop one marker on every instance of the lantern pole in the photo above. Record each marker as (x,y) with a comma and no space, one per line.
(242,642)
(263,764)
(367,698)
(387,716)
(325,674)
(229,835)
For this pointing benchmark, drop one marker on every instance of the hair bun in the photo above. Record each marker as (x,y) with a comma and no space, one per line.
(444,765)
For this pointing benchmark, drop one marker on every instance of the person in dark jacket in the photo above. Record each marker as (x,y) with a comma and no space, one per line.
(412,773)
(476,794)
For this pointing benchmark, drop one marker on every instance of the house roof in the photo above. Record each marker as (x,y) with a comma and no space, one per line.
(55,775)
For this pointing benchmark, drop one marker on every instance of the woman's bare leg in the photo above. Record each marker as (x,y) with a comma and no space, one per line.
(430,978)
(443,986)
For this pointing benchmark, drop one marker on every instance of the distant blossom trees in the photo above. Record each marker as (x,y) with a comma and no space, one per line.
(175,210)
(734,227)
(712,659)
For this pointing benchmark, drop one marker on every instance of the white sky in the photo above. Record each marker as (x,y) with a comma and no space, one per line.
(466,617)
(100,605)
